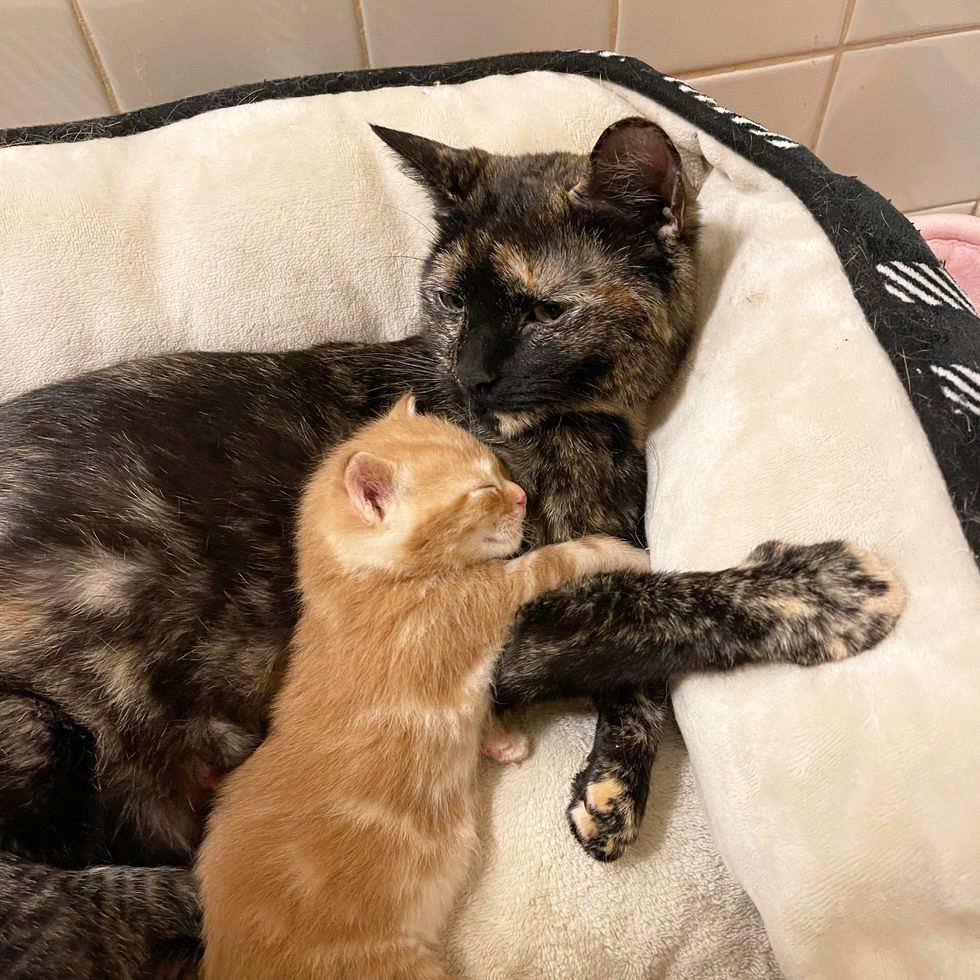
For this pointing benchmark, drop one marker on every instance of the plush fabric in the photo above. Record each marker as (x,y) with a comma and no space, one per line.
(955,239)
(843,799)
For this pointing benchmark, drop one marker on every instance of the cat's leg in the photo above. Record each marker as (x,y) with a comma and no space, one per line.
(802,604)
(100,922)
(609,795)
(75,920)
(47,791)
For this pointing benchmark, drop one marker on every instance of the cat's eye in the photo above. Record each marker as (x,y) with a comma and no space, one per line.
(449,300)
(483,489)
(547,312)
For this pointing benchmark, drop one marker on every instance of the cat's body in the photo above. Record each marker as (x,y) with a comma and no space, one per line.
(147,512)
(336,850)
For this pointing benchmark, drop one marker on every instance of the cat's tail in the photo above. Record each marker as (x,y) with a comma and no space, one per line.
(118,922)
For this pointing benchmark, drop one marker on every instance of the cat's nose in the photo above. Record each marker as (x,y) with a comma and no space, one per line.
(475,369)
(475,378)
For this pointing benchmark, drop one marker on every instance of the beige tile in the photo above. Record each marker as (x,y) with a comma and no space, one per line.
(414,32)
(886,18)
(158,50)
(46,72)
(903,118)
(964,207)
(784,98)
(684,36)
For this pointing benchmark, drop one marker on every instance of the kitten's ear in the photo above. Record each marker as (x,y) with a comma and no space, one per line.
(405,407)
(370,484)
(446,173)
(635,168)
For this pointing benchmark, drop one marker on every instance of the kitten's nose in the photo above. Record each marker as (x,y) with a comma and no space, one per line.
(517,496)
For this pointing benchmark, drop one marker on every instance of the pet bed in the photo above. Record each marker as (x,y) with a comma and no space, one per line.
(827,395)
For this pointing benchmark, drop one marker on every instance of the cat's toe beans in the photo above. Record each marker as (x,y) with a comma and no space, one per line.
(602,818)
(583,823)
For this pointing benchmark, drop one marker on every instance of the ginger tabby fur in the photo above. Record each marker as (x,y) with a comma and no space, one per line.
(338,848)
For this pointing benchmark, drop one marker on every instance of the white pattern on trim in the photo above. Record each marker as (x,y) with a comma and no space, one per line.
(897,292)
(966,396)
(972,375)
(930,285)
(943,292)
(773,139)
(947,282)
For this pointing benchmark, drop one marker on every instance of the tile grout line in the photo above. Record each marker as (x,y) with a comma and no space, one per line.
(786,59)
(832,76)
(774,61)
(886,40)
(93,51)
(936,207)
(361,34)
(614,25)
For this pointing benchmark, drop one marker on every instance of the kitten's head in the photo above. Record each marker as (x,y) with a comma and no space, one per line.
(557,281)
(412,494)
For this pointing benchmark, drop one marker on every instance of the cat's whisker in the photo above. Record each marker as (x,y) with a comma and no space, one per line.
(392,207)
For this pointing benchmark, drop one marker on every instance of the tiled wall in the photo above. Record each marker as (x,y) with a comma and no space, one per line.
(888,90)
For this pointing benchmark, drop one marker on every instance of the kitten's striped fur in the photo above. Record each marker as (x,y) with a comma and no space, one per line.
(337,849)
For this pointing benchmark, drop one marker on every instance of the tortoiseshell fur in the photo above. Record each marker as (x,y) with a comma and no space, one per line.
(147,512)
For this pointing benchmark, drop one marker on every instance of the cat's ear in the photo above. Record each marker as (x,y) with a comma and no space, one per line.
(446,173)
(370,484)
(405,407)
(636,169)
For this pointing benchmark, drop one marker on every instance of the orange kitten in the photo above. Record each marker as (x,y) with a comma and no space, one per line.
(337,849)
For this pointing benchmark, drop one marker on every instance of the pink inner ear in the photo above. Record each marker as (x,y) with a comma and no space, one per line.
(369,481)
(636,168)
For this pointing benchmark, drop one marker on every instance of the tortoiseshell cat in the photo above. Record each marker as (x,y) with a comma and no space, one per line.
(147,512)
(337,849)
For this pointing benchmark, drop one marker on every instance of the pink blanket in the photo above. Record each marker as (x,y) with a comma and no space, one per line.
(955,240)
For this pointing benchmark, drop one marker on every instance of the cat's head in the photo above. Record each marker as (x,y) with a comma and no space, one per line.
(412,493)
(557,281)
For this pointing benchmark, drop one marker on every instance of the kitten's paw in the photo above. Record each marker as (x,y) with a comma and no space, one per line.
(833,599)
(616,555)
(602,815)
(505,746)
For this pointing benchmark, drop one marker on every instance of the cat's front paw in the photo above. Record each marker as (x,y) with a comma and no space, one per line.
(827,601)
(602,814)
